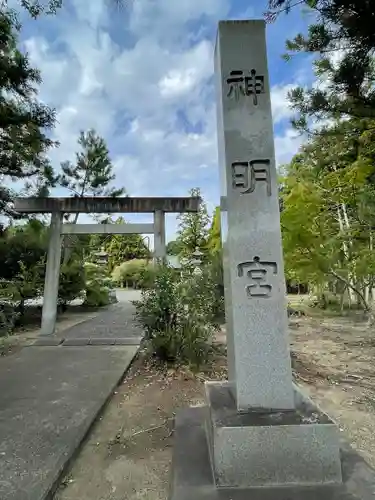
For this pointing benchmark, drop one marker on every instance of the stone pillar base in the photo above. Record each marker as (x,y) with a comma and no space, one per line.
(192,477)
(258,449)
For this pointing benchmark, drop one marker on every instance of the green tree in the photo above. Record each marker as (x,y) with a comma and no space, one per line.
(342,37)
(24,122)
(173,248)
(328,216)
(22,258)
(131,272)
(214,235)
(26,244)
(23,253)
(91,174)
(120,247)
(193,229)
(216,262)
(72,282)
(123,247)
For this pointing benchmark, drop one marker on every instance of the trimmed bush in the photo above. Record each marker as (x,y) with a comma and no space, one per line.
(72,282)
(98,285)
(177,313)
(8,319)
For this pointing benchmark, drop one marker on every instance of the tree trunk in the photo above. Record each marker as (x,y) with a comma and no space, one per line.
(343,217)
(367,308)
(342,299)
(371,318)
(370,284)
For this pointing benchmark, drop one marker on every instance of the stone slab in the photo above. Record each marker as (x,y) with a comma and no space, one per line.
(252,449)
(128,341)
(48,400)
(102,341)
(192,477)
(76,342)
(48,341)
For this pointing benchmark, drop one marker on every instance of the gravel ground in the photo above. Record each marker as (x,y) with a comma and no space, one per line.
(128,454)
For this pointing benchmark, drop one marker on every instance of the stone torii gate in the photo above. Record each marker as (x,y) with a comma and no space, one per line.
(57,207)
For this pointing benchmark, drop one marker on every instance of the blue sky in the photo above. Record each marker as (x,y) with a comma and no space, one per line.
(142,77)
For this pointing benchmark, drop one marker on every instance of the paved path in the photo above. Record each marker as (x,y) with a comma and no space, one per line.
(49,397)
(116,322)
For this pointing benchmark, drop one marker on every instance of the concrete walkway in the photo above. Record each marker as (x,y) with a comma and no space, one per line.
(50,396)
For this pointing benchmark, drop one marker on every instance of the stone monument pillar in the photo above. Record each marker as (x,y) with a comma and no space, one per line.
(259,361)
(254,428)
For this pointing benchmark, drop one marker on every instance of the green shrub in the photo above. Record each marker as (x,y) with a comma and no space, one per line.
(98,285)
(177,315)
(27,284)
(72,281)
(8,318)
(147,276)
(96,296)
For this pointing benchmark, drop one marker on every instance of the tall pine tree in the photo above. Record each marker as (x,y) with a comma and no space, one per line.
(24,122)
(342,37)
(91,174)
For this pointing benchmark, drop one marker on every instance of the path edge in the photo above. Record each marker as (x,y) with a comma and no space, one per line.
(65,463)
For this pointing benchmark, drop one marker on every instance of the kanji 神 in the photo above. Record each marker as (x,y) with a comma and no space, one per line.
(239,84)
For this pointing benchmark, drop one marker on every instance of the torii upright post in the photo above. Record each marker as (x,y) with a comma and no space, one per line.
(160,252)
(51,284)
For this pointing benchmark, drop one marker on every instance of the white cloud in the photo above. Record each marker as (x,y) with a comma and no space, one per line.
(137,92)
(280,105)
(94,13)
(167,20)
(192,68)
(287,145)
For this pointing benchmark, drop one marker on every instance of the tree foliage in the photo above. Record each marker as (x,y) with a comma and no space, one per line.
(343,39)
(24,122)
(133,273)
(23,255)
(124,247)
(120,247)
(35,7)
(173,247)
(214,235)
(92,172)
(177,316)
(328,216)
(193,229)
(90,175)
(38,7)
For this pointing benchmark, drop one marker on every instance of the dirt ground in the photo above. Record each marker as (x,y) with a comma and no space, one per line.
(334,360)
(128,453)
